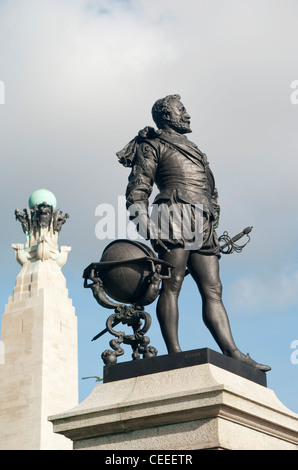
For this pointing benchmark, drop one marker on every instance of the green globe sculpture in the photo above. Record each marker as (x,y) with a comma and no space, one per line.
(42,195)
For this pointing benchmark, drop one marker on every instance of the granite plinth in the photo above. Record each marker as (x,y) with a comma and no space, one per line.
(190,408)
(153,365)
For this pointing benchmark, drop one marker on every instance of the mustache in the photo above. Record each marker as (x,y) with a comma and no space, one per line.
(181,121)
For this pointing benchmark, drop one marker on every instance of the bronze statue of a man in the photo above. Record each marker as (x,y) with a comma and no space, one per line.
(181,172)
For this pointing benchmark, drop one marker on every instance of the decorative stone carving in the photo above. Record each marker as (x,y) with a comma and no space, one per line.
(41,225)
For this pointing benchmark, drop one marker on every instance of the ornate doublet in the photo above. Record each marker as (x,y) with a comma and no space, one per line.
(177,167)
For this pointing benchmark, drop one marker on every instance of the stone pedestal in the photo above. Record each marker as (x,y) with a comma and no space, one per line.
(199,406)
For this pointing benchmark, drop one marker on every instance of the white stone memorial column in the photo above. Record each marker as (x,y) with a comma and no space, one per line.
(39,373)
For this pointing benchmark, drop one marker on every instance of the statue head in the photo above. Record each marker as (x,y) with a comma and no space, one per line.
(169,112)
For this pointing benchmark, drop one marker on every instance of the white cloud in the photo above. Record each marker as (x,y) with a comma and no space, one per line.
(265,291)
(81,78)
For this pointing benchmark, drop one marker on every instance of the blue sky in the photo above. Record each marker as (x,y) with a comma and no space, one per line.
(80,79)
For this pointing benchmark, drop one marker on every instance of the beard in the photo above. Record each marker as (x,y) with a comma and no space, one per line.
(180,125)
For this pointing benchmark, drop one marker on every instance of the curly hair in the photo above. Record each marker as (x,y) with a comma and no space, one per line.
(161,107)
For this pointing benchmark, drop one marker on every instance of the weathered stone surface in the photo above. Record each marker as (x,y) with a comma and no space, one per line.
(39,375)
(197,407)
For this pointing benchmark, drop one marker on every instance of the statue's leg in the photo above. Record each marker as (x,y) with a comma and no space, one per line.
(167,306)
(205,271)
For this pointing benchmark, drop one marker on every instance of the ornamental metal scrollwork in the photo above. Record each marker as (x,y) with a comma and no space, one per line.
(131,315)
(130,273)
